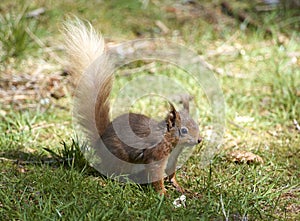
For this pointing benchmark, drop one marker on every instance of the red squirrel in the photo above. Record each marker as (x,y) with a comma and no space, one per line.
(156,145)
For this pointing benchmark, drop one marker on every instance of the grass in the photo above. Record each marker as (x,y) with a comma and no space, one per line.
(15,32)
(43,175)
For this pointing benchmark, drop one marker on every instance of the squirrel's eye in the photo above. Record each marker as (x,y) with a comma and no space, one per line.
(184,130)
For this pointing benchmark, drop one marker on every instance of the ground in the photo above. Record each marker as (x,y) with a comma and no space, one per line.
(253,51)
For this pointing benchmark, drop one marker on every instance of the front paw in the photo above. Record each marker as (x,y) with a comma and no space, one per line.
(162,192)
(160,187)
(176,185)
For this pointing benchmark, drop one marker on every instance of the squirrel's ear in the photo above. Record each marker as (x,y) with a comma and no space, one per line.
(173,118)
(186,105)
(185,100)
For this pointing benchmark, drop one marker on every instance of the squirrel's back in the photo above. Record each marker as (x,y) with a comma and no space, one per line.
(84,46)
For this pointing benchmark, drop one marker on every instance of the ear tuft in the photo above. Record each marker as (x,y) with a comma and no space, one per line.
(185,100)
(173,118)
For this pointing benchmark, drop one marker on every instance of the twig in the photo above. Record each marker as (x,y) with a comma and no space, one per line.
(139,69)
(42,125)
(35,13)
(16,97)
(243,128)
(221,72)
(162,26)
(242,17)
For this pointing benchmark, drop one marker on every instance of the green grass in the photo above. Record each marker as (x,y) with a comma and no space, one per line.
(15,31)
(43,175)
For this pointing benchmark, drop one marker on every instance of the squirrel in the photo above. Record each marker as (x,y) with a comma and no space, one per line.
(156,145)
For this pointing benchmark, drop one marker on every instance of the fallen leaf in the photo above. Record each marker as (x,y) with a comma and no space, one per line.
(240,156)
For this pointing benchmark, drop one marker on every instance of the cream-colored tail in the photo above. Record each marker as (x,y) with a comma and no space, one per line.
(85,49)
(83,45)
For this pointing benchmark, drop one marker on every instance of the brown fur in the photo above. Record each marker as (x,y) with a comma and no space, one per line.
(131,138)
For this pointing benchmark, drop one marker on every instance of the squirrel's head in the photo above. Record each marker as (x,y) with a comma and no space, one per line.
(189,130)
(182,125)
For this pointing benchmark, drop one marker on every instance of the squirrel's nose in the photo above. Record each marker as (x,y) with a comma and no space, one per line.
(199,140)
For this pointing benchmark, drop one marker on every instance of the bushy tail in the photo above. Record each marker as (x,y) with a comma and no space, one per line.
(85,49)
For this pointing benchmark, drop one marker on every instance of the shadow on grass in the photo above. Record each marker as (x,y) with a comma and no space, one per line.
(70,157)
